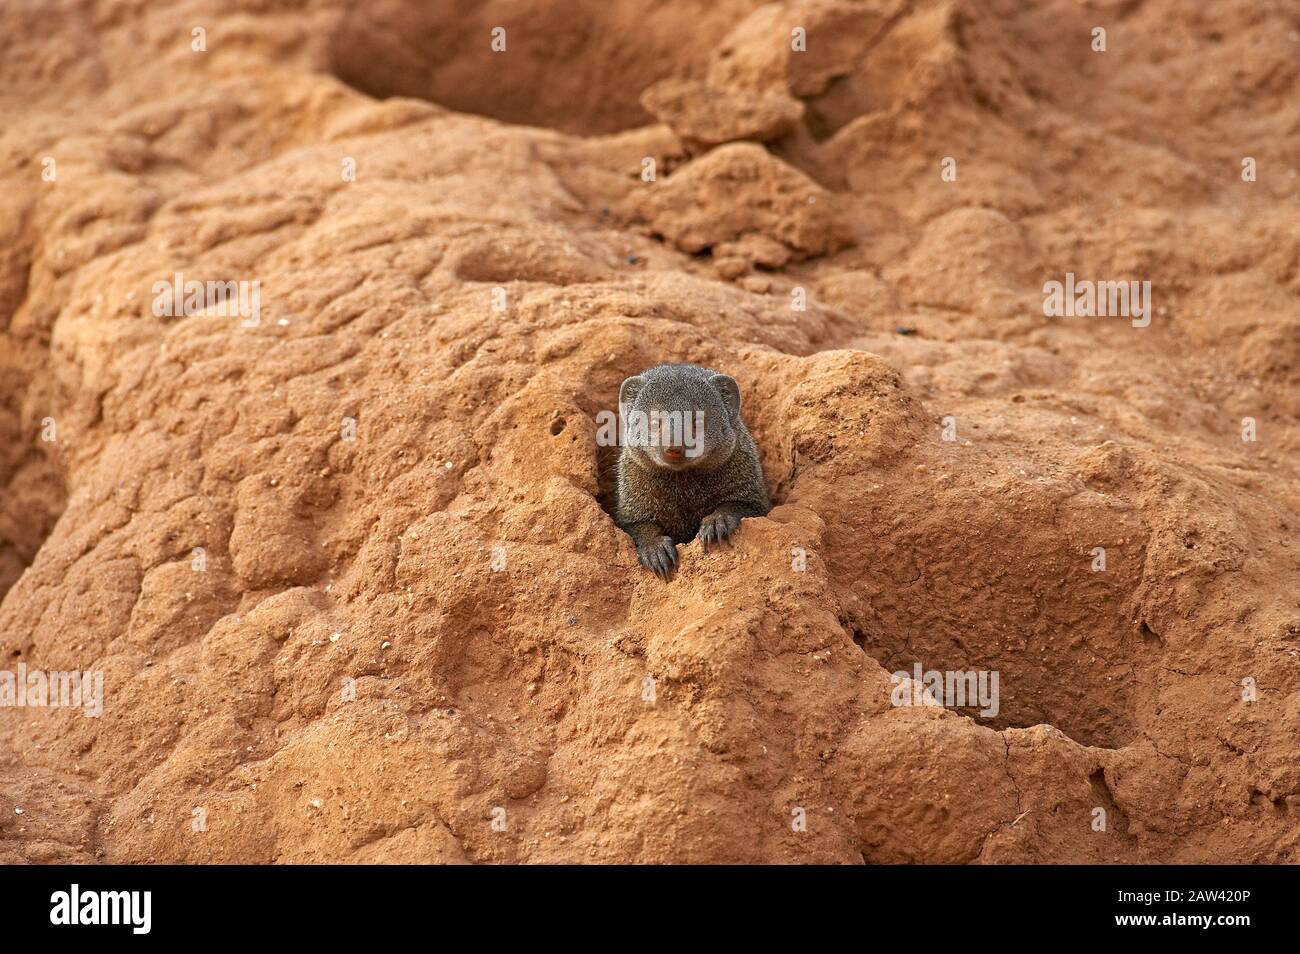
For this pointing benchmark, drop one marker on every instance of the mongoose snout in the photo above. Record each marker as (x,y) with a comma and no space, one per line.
(688,466)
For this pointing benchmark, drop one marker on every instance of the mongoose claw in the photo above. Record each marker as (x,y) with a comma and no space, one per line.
(718,526)
(659,555)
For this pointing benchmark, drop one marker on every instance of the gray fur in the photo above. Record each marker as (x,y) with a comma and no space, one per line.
(660,507)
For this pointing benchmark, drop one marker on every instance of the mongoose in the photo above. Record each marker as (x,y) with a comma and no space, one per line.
(688,465)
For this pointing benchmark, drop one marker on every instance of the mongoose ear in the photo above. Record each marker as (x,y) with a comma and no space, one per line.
(629,389)
(729,390)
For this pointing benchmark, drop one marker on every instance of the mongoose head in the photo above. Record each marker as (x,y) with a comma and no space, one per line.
(680,417)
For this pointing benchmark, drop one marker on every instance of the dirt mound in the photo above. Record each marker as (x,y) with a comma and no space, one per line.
(333,531)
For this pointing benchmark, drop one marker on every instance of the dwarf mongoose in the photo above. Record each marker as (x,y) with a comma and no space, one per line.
(688,464)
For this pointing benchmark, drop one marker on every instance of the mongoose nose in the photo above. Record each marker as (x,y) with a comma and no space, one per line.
(674,455)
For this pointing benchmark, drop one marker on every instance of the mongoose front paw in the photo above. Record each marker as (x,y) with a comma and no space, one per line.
(659,555)
(718,526)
